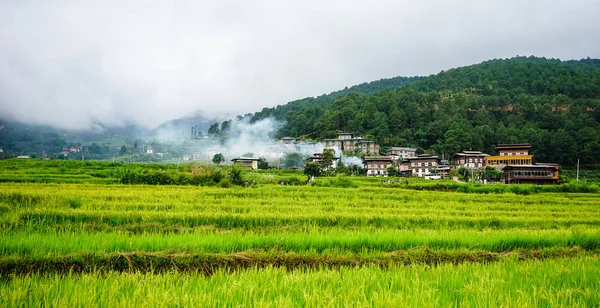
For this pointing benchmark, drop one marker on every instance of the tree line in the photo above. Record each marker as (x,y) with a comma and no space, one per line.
(552,104)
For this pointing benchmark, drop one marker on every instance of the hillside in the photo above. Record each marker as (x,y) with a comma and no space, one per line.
(552,104)
(314,106)
(38,140)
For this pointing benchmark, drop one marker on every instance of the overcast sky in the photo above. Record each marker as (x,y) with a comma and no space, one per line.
(68,63)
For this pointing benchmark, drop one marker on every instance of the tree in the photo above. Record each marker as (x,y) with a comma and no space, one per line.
(235,175)
(263,164)
(293,160)
(123,150)
(95,149)
(392,171)
(218,159)
(225,126)
(214,129)
(328,157)
(312,168)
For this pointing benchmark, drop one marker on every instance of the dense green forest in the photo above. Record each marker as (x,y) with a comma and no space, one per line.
(552,104)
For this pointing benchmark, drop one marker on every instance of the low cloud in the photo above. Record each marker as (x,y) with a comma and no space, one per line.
(69,63)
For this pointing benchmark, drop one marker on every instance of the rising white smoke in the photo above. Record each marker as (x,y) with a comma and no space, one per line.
(246,139)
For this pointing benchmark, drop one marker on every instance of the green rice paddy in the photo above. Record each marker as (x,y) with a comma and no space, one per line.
(99,243)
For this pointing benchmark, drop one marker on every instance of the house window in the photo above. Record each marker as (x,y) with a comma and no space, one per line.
(426,164)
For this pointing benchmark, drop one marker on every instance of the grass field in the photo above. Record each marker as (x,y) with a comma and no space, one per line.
(97,242)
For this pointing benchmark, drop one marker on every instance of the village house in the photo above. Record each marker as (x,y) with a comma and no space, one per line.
(352,143)
(443,169)
(377,165)
(510,154)
(400,152)
(470,159)
(366,147)
(246,162)
(149,150)
(531,174)
(420,166)
(72,149)
(332,143)
(287,140)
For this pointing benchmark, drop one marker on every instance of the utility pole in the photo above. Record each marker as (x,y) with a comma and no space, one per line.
(472,175)
(578,170)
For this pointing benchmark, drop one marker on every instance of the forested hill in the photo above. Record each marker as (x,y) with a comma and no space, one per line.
(552,104)
(316,104)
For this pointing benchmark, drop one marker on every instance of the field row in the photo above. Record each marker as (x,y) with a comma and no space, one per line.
(71,208)
(571,282)
(331,240)
(71,221)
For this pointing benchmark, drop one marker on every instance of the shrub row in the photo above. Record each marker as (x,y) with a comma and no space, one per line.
(500,189)
(211,178)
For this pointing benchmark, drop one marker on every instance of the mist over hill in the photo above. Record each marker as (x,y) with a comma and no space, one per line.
(552,104)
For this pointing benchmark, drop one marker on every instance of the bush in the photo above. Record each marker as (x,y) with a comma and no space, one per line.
(235,175)
(225,183)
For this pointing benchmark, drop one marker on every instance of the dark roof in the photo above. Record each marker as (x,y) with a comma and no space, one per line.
(422,157)
(245,159)
(471,153)
(513,146)
(401,149)
(374,158)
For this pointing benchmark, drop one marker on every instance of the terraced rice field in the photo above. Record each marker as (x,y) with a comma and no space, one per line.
(270,245)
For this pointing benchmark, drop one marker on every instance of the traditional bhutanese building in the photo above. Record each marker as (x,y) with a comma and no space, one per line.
(377,165)
(400,152)
(443,168)
(510,154)
(287,140)
(246,162)
(420,165)
(531,174)
(352,143)
(470,159)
